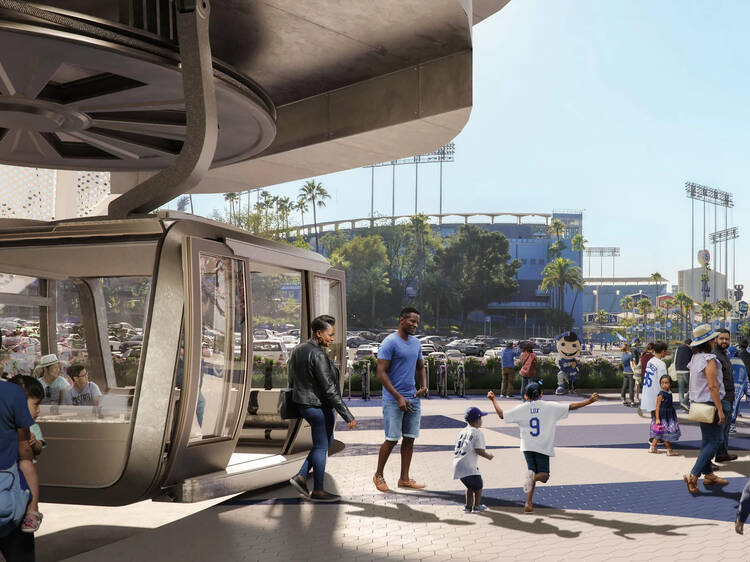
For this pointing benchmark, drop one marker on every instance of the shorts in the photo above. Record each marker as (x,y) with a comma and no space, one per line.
(537,462)
(638,378)
(473,482)
(399,423)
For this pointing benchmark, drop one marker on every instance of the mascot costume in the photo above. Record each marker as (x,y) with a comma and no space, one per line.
(569,348)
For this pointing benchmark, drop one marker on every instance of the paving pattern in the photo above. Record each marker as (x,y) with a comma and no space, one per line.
(607,499)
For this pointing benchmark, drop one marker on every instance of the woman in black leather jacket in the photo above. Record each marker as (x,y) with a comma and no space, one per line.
(314,380)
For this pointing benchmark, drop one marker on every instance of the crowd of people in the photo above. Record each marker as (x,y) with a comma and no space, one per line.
(22,443)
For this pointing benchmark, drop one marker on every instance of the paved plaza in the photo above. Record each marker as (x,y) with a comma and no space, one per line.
(607,499)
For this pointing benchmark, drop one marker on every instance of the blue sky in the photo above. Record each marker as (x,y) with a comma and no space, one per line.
(590,104)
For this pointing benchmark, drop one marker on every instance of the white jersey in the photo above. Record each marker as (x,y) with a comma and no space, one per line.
(655,369)
(465,453)
(538,422)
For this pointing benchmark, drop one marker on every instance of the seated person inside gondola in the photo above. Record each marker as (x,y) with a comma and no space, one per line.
(83,392)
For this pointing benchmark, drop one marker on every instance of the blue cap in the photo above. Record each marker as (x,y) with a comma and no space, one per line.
(473,414)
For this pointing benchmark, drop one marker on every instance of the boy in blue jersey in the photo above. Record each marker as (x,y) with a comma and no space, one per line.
(537,420)
(399,360)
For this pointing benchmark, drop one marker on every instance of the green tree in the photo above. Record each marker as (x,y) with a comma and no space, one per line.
(316,194)
(558,275)
(644,307)
(556,228)
(627,304)
(707,311)
(232,199)
(657,280)
(366,264)
(602,317)
(301,206)
(480,264)
(724,307)
(685,304)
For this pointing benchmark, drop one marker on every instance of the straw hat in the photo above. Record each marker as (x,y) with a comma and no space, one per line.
(702,334)
(48,360)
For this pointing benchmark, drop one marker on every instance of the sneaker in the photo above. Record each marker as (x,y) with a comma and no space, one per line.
(324,497)
(467,509)
(528,481)
(479,508)
(298,484)
(380,484)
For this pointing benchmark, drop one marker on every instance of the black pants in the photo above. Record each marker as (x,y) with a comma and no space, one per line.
(627,385)
(18,546)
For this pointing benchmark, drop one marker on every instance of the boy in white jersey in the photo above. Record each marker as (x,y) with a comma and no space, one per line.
(537,420)
(470,445)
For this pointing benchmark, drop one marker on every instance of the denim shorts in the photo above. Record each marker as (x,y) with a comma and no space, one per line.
(538,462)
(473,482)
(399,423)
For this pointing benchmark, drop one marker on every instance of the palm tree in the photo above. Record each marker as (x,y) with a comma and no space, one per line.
(284,206)
(317,194)
(724,306)
(557,228)
(707,311)
(557,276)
(627,304)
(657,278)
(301,206)
(644,307)
(602,317)
(686,304)
(230,198)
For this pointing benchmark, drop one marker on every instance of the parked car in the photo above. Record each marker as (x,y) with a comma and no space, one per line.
(437,341)
(438,356)
(492,354)
(356,341)
(427,349)
(454,355)
(548,348)
(366,350)
(270,349)
(382,335)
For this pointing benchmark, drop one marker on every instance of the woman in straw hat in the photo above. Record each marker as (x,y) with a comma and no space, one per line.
(706,387)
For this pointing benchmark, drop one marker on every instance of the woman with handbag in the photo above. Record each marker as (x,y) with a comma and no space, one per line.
(706,392)
(314,380)
(528,366)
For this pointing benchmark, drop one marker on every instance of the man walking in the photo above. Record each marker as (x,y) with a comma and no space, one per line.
(681,359)
(507,359)
(727,403)
(399,360)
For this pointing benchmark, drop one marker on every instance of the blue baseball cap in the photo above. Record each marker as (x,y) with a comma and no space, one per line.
(473,414)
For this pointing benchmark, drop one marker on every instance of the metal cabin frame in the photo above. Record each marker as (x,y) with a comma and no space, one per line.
(158,460)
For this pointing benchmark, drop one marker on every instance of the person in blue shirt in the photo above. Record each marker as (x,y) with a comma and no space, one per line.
(399,360)
(15,446)
(507,359)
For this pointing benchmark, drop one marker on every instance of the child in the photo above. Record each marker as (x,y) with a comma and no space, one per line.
(538,421)
(469,445)
(83,392)
(34,395)
(664,424)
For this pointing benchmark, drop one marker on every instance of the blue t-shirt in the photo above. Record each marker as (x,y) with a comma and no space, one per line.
(566,366)
(14,415)
(508,355)
(403,356)
(626,358)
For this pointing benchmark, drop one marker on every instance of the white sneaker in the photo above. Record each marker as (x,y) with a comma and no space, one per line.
(528,482)
(480,508)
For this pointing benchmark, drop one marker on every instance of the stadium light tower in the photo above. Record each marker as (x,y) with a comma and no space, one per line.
(443,154)
(709,196)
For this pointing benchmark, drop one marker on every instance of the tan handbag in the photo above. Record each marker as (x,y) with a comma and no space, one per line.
(704,413)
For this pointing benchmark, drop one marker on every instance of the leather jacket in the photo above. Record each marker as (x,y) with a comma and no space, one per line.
(727,373)
(314,379)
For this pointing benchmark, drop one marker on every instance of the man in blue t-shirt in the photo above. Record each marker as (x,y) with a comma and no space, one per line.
(15,443)
(399,360)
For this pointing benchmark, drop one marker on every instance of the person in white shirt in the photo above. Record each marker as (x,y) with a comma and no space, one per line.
(537,420)
(655,370)
(470,446)
(82,392)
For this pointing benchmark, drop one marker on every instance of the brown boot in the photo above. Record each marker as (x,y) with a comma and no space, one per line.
(692,483)
(713,480)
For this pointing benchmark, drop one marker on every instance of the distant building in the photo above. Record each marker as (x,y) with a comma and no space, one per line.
(606,293)
(689,282)
(525,313)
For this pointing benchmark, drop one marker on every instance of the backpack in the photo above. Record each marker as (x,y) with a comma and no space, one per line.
(13,500)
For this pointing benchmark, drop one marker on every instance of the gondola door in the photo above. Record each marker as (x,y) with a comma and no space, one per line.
(213,377)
